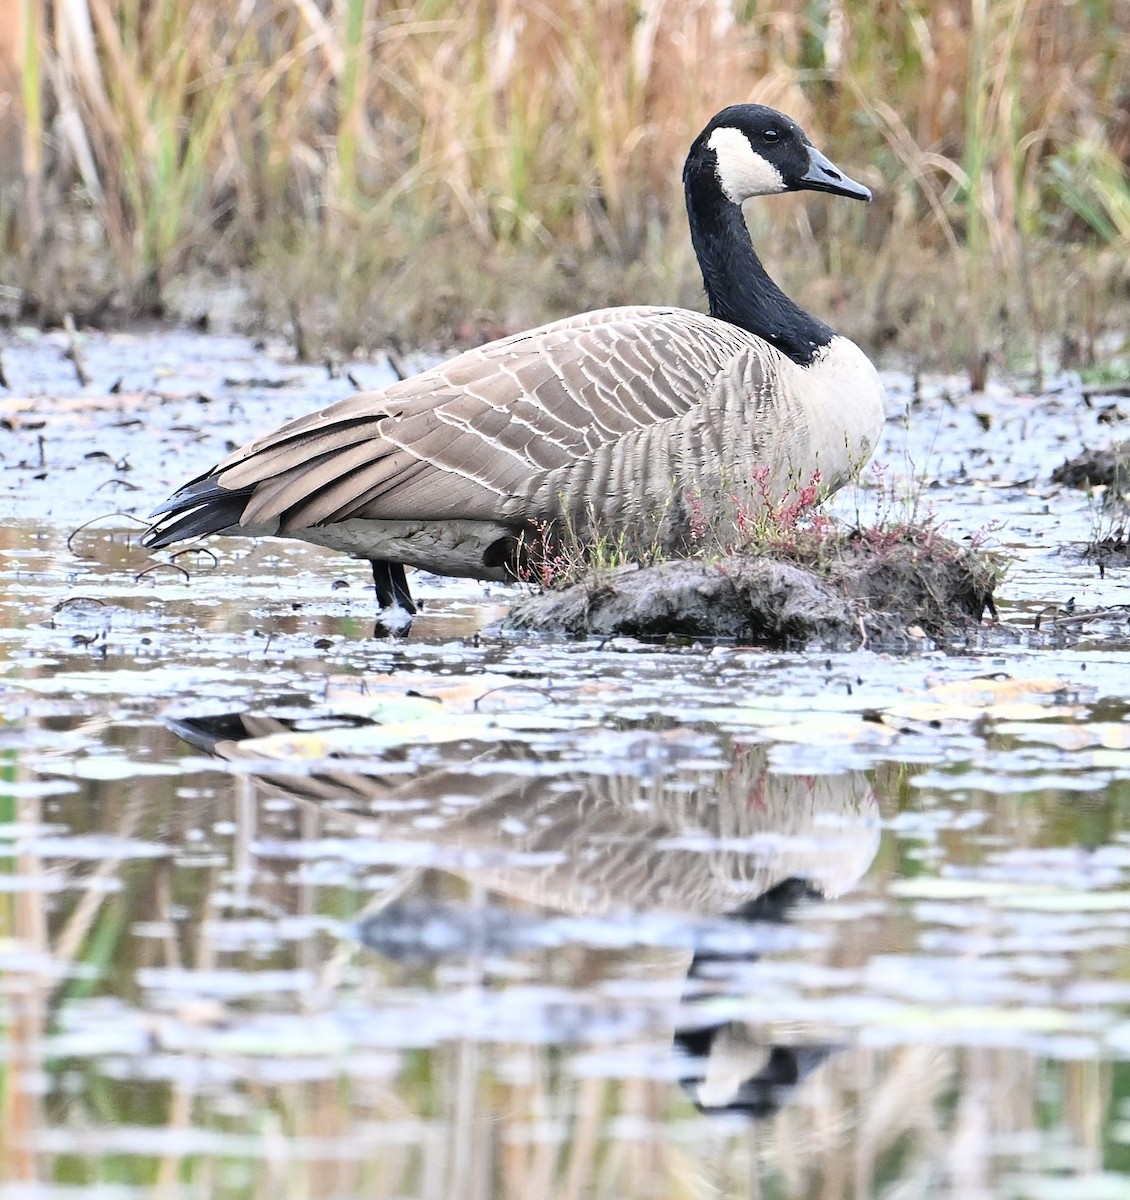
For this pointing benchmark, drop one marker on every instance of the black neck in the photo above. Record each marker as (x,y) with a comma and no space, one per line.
(737,286)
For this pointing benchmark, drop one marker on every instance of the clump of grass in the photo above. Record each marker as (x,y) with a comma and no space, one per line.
(800,578)
(1105,476)
(558,554)
(765,521)
(762,519)
(901,561)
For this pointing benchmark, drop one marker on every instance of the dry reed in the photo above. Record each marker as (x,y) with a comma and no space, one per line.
(435,164)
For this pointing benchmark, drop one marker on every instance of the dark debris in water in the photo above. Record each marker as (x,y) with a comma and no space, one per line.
(1109,468)
(1062,618)
(426,931)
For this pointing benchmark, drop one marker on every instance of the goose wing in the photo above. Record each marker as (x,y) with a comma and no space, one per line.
(472,437)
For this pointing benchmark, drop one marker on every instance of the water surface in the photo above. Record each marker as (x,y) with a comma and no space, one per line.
(289,909)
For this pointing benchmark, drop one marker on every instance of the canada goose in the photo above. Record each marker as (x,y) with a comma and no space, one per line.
(650,422)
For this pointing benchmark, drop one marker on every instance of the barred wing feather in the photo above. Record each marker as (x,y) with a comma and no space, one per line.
(484,435)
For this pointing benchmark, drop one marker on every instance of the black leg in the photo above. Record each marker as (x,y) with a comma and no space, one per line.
(392,585)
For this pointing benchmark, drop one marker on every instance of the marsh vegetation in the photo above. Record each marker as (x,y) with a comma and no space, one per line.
(443,171)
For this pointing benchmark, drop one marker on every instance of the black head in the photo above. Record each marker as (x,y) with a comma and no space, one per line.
(752,150)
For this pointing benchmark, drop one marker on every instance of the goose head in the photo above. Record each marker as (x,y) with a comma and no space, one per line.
(749,150)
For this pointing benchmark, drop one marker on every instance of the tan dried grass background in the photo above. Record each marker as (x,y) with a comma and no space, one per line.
(439,168)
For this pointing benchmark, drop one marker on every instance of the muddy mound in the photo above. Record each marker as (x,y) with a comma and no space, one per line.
(855,590)
(1109,552)
(1110,470)
(1097,468)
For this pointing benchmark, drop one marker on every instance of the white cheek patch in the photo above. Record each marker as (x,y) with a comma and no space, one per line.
(742,172)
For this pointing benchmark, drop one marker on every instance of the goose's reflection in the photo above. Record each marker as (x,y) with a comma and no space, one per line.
(727,1066)
(651,828)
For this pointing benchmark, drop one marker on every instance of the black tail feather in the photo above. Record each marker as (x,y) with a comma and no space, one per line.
(199,508)
(202,733)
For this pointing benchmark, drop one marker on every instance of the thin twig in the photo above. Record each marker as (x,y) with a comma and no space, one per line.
(78,600)
(131,487)
(301,346)
(196,550)
(103,517)
(73,351)
(506,687)
(157,566)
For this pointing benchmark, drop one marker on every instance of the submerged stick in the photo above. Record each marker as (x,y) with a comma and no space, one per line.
(73,351)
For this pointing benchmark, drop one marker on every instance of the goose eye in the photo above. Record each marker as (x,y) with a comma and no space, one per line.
(771,135)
